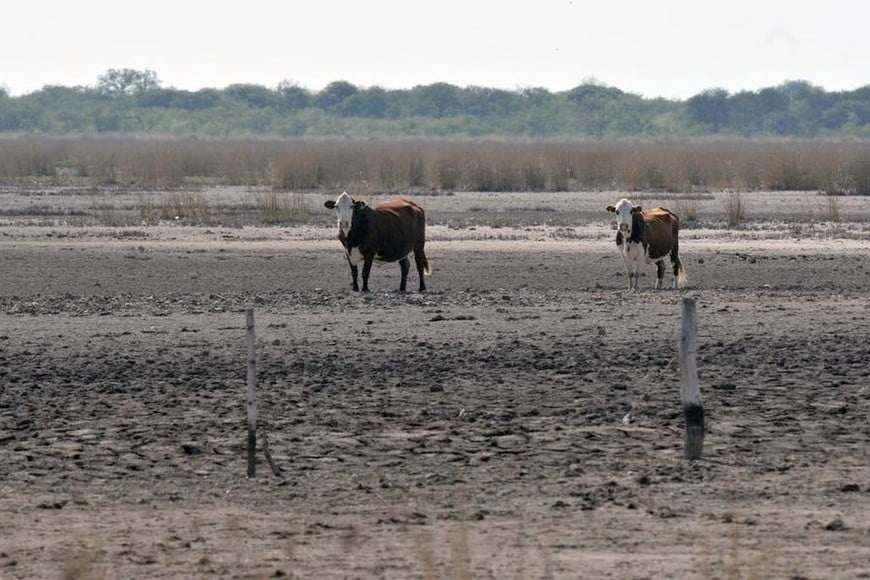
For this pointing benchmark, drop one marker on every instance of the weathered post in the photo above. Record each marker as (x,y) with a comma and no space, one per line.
(693,410)
(252,393)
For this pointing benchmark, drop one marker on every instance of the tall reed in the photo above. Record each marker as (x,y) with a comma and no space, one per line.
(367,166)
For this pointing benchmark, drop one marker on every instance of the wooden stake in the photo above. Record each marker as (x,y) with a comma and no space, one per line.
(252,393)
(693,410)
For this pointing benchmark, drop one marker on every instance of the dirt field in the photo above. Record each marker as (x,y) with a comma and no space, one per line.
(521,419)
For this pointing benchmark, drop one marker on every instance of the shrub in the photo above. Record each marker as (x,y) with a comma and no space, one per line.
(735,209)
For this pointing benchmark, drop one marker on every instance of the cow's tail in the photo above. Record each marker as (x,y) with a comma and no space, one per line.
(421,224)
(682,278)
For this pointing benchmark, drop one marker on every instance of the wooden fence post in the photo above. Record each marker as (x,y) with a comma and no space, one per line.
(252,393)
(693,410)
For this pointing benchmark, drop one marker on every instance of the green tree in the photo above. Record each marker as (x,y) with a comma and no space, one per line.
(9,118)
(130,100)
(164,98)
(370,103)
(491,104)
(536,97)
(838,117)
(745,116)
(437,100)
(709,109)
(334,94)
(117,82)
(292,97)
(253,96)
(593,96)
(772,102)
(198,100)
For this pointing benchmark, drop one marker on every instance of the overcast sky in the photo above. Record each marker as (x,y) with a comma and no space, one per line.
(668,48)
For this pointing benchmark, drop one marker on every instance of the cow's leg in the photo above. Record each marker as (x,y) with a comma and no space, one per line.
(634,272)
(626,261)
(632,259)
(367,268)
(353,272)
(660,273)
(422,265)
(405,265)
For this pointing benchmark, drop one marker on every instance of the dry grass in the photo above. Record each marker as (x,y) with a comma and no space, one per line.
(841,167)
(831,209)
(281,207)
(735,208)
(184,205)
(687,208)
(189,207)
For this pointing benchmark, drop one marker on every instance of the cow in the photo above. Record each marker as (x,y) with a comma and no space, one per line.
(651,234)
(390,232)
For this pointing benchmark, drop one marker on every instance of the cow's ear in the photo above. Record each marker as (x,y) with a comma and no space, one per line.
(330,204)
(359,204)
(636,209)
(611,208)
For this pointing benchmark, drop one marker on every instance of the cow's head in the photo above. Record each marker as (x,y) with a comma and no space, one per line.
(344,206)
(624,211)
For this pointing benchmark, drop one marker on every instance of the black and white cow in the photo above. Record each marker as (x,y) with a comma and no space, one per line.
(390,232)
(650,235)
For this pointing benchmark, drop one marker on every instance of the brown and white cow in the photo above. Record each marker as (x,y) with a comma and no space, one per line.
(651,235)
(390,232)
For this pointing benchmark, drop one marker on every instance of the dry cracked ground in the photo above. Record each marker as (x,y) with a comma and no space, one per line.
(521,419)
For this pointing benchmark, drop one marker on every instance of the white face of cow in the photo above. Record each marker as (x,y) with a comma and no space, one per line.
(624,210)
(343,206)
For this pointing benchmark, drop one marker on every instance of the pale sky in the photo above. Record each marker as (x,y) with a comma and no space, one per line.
(667,48)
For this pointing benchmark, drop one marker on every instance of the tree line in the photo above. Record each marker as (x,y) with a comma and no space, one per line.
(133,101)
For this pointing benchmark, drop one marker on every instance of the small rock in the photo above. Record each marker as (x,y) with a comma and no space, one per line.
(191,449)
(836,526)
(51,505)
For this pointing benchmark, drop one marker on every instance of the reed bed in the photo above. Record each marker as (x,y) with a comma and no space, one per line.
(367,166)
